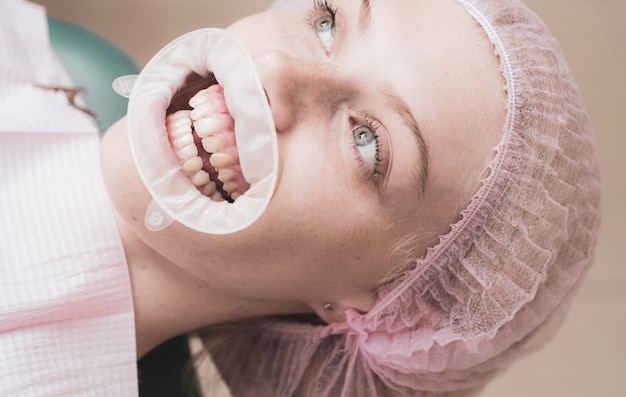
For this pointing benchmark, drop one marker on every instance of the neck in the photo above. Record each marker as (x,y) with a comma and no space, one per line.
(169,301)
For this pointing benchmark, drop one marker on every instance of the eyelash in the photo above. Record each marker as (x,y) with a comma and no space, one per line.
(369,122)
(326,7)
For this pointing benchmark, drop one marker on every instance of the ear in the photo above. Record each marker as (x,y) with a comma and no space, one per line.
(333,311)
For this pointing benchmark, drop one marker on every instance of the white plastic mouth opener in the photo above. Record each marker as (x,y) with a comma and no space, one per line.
(203,52)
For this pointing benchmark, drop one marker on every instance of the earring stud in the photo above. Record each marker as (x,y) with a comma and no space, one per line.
(328,307)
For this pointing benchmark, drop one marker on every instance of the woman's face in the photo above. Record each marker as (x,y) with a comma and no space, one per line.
(386,113)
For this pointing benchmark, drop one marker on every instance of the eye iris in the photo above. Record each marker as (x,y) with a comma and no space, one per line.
(324,24)
(363,136)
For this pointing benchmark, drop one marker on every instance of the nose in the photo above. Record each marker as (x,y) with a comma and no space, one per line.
(296,88)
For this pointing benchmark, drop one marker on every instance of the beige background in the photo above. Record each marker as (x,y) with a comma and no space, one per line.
(588,357)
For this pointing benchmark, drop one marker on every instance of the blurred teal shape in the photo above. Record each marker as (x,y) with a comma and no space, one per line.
(92,63)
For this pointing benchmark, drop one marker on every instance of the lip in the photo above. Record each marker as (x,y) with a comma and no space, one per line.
(203,54)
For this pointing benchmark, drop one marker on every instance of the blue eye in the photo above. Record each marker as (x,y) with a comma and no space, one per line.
(363,136)
(366,141)
(325,25)
(325,28)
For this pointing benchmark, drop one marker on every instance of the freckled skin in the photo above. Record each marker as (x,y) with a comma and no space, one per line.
(328,231)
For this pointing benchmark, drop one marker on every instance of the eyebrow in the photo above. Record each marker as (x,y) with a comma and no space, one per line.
(365,16)
(399,105)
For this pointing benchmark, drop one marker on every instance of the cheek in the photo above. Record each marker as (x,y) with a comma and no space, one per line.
(278,30)
(127,193)
(312,180)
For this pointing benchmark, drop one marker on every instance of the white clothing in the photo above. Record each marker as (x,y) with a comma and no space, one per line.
(66,311)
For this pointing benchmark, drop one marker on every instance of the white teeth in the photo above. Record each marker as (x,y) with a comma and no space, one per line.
(231,186)
(209,189)
(201,178)
(176,119)
(221,160)
(212,144)
(217,197)
(199,99)
(179,131)
(226,174)
(188,152)
(193,165)
(205,126)
(179,125)
(201,112)
(183,141)
(180,115)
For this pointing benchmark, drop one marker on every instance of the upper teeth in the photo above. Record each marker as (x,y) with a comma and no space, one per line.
(204,126)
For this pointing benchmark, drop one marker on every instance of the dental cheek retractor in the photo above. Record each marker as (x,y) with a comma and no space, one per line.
(205,56)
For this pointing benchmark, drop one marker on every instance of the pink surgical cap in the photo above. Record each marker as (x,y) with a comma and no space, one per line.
(496,285)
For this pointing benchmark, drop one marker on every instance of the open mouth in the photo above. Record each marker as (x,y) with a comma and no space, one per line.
(201,131)
(202,135)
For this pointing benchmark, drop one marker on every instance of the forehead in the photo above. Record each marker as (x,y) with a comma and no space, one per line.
(440,61)
(432,53)
(418,40)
